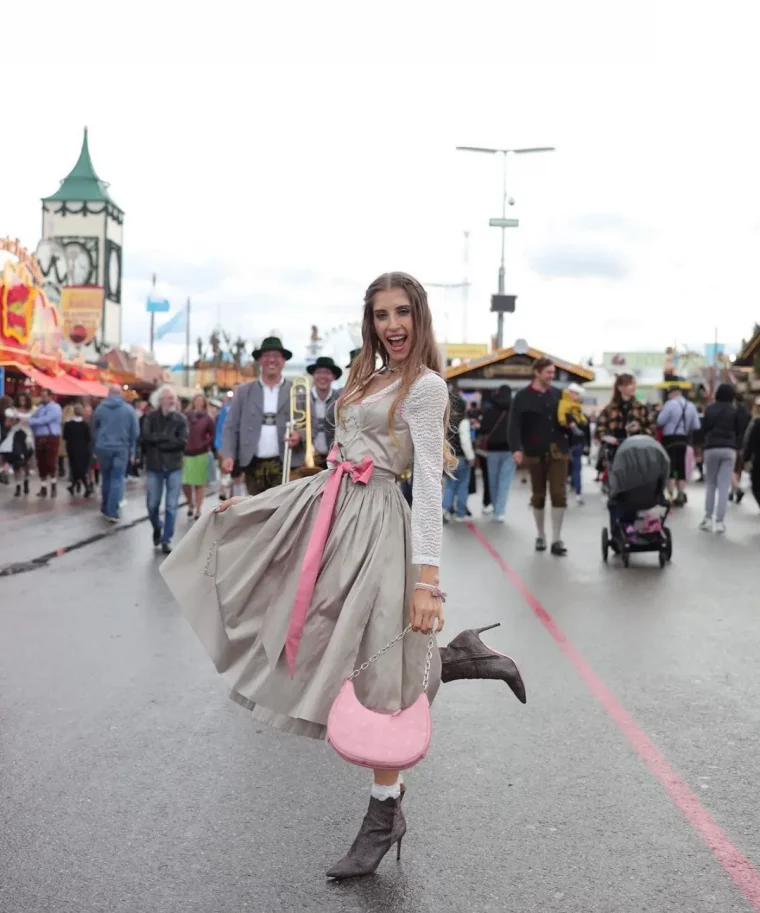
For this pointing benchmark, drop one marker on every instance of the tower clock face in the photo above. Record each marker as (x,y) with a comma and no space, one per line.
(78,264)
(113,271)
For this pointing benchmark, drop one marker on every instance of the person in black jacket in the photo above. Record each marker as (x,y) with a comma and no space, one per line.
(164,436)
(721,442)
(752,452)
(744,417)
(494,437)
(536,436)
(78,439)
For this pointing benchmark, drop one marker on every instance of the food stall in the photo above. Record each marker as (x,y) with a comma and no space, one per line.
(31,333)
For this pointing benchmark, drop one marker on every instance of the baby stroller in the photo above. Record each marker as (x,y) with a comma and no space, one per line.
(637,504)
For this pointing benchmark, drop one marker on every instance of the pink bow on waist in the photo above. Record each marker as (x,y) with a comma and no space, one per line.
(360,474)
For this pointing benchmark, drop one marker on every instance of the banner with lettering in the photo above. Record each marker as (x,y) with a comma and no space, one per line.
(82,312)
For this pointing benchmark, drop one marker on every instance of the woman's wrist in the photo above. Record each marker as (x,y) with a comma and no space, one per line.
(431,588)
(429,574)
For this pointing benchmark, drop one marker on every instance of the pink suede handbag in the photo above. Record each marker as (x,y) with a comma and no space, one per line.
(382,741)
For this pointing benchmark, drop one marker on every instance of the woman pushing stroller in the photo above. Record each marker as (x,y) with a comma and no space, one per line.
(623,416)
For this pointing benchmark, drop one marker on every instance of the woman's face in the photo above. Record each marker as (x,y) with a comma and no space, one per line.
(392,318)
(199,403)
(628,391)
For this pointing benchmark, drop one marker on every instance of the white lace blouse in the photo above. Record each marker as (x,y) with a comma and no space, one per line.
(423,411)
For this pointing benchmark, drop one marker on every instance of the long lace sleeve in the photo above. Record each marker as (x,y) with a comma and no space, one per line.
(423,411)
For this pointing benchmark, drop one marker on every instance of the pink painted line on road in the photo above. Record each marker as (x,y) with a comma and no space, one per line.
(737,866)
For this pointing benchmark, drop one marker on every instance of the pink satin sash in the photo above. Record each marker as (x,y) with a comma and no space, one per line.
(360,473)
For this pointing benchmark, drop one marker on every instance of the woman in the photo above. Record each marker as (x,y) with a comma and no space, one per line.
(624,414)
(570,415)
(493,439)
(752,451)
(78,440)
(744,417)
(376,572)
(24,408)
(199,443)
(723,436)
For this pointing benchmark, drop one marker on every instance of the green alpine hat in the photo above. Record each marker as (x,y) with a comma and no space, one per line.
(352,357)
(324,362)
(272,344)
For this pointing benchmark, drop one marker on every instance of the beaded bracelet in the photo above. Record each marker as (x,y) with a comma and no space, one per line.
(431,588)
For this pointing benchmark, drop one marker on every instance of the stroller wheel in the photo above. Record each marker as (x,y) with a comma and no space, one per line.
(626,558)
(668,545)
(663,558)
(605,545)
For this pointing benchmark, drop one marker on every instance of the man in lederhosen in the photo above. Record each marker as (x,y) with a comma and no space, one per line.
(253,437)
(536,436)
(324,373)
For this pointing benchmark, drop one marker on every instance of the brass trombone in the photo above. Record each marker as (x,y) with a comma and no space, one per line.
(300,421)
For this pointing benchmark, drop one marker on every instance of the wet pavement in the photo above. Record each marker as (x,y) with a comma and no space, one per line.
(129,782)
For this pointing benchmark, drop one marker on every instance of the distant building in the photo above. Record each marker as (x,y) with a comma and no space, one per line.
(82,244)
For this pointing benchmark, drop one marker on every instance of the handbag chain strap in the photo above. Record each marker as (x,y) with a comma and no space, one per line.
(428,660)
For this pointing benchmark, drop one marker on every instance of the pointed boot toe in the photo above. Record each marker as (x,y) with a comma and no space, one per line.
(383,826)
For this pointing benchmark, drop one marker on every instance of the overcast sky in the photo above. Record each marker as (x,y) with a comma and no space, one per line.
(272,164)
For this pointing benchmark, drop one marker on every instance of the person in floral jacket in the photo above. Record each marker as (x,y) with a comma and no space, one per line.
(624,414)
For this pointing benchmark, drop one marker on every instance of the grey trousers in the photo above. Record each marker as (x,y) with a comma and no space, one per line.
(719,465)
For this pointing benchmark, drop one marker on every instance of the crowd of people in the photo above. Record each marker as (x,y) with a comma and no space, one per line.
(546,431)
(88,447)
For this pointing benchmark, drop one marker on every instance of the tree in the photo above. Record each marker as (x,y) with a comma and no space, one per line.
(201,349)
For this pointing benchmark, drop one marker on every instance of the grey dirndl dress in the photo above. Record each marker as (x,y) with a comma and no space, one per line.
(237,575)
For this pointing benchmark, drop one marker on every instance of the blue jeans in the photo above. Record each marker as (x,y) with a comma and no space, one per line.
(113,471)
(576,462)
(457,489)
(501,471)
(172,481)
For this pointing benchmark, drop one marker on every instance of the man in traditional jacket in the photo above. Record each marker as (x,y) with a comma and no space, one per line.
(254,433)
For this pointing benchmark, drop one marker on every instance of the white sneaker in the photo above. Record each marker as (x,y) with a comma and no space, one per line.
(498,518)
(706,525)
(123,502)
(579,500)
(720,527)
(458,519)
(488,510)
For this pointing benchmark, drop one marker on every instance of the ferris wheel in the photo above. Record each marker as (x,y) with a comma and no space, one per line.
(338,341)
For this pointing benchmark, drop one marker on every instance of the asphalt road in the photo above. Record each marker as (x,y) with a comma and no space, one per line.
(129,782)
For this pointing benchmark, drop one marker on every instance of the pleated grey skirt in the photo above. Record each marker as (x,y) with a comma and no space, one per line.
(235,577)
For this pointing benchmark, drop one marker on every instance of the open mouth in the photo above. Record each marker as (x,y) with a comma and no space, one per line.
(396,343)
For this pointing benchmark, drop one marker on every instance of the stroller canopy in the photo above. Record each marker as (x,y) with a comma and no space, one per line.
(640,462)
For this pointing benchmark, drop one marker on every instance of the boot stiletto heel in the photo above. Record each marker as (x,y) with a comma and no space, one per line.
(467,657)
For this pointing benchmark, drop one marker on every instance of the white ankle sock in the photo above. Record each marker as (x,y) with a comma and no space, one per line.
(386,792)
(558,514)
(540,516)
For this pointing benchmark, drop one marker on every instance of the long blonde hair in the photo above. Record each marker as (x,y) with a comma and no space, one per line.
(424,354)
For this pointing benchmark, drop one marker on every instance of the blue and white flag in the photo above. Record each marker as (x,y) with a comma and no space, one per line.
(157,305)
(175,324)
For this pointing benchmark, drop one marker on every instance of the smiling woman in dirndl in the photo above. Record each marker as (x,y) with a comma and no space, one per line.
(294,590)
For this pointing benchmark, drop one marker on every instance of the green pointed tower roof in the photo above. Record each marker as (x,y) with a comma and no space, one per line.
(82,185)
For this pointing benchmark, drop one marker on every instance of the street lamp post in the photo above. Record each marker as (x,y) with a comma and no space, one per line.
(503,223)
